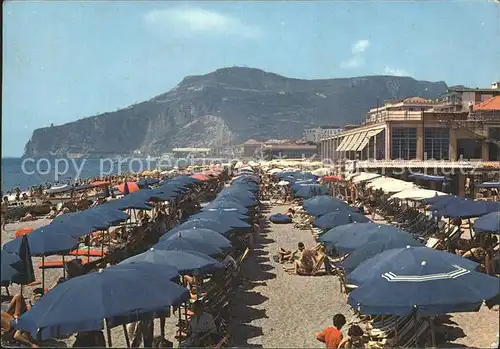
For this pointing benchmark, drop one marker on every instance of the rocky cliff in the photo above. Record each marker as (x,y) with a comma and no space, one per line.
(229,105)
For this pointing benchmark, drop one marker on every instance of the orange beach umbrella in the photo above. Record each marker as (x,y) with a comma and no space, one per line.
(132,186)
(200,177)
(23,231)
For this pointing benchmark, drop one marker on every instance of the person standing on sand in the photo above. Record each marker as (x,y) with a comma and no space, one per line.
(332,336)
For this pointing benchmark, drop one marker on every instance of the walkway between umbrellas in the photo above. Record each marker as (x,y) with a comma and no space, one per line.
(275,309)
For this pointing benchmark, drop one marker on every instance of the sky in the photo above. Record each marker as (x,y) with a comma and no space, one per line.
(65,60)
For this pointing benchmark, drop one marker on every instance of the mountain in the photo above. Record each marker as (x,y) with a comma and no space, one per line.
(229,105)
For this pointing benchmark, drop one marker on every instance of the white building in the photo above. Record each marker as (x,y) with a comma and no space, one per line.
(316,134)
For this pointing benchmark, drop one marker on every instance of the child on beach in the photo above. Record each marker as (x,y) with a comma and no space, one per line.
(332,336)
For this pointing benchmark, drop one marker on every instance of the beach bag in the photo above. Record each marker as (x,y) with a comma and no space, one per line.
(280,218)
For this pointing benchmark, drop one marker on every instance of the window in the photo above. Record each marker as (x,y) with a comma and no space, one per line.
(404,143)
(469,149)
(436,143)
(380,146)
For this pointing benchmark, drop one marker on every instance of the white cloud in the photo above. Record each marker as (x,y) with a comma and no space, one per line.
(395,71)
(360,46)
(352,63)
(194,20)
(358,50)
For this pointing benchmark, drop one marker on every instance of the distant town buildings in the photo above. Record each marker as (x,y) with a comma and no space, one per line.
(279,149)
(315,135)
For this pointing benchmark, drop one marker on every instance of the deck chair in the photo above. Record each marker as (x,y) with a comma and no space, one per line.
(387,329)
(412,340)
(221,342)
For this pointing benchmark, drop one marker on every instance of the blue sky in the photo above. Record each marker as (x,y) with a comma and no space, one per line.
(67,60)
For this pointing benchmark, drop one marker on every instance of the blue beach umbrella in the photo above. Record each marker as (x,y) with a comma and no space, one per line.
(438,198)
(24,265)
(309,191)
(8,273)
(225,204)
(87,222)
(82,303)
(489,223)
(146,182)
(372,249)
(324,204)
(178,242)
(406,258)
(469,209)
(129,202)
(421,280)
(349,237)
(339,217)
(448,200)
(232,219)
(187,262)
(211,224)
(43,242)
(206,236)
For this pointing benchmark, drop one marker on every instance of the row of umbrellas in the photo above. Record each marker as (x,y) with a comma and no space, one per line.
(453,206)
(142,285)
(303,184)
(61,235)
(394,274)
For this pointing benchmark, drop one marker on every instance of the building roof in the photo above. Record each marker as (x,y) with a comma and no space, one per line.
(417,100)
(466,89)
(252,142)
(289,147)
(191,150)
(489,104)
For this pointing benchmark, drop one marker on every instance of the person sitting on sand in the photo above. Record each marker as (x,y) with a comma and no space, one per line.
(10,334)
(310,261)
(290,212)
(18,306)
(286,255)
(354,338)
(29,216)
(332,336)
(53,213)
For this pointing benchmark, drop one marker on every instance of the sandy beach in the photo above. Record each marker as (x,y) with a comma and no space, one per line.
(275,309)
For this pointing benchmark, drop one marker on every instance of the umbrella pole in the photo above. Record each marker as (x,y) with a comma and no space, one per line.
(433,332)
(416,327)
(180,325)
(64,269)
(396,336)
(125,333)
(102,244)
(108,332)
(43,274)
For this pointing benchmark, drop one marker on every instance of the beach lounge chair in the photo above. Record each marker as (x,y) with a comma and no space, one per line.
(93,252)
(412,340)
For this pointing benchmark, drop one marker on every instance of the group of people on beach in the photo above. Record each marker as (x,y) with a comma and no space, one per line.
(333,337)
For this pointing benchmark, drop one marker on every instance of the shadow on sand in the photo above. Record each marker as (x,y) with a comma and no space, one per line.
(256,271)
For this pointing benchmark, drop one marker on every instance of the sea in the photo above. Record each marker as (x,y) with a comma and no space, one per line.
(28,172)
(24,173)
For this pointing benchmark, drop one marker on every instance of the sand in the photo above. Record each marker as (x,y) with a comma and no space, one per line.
(275,309)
